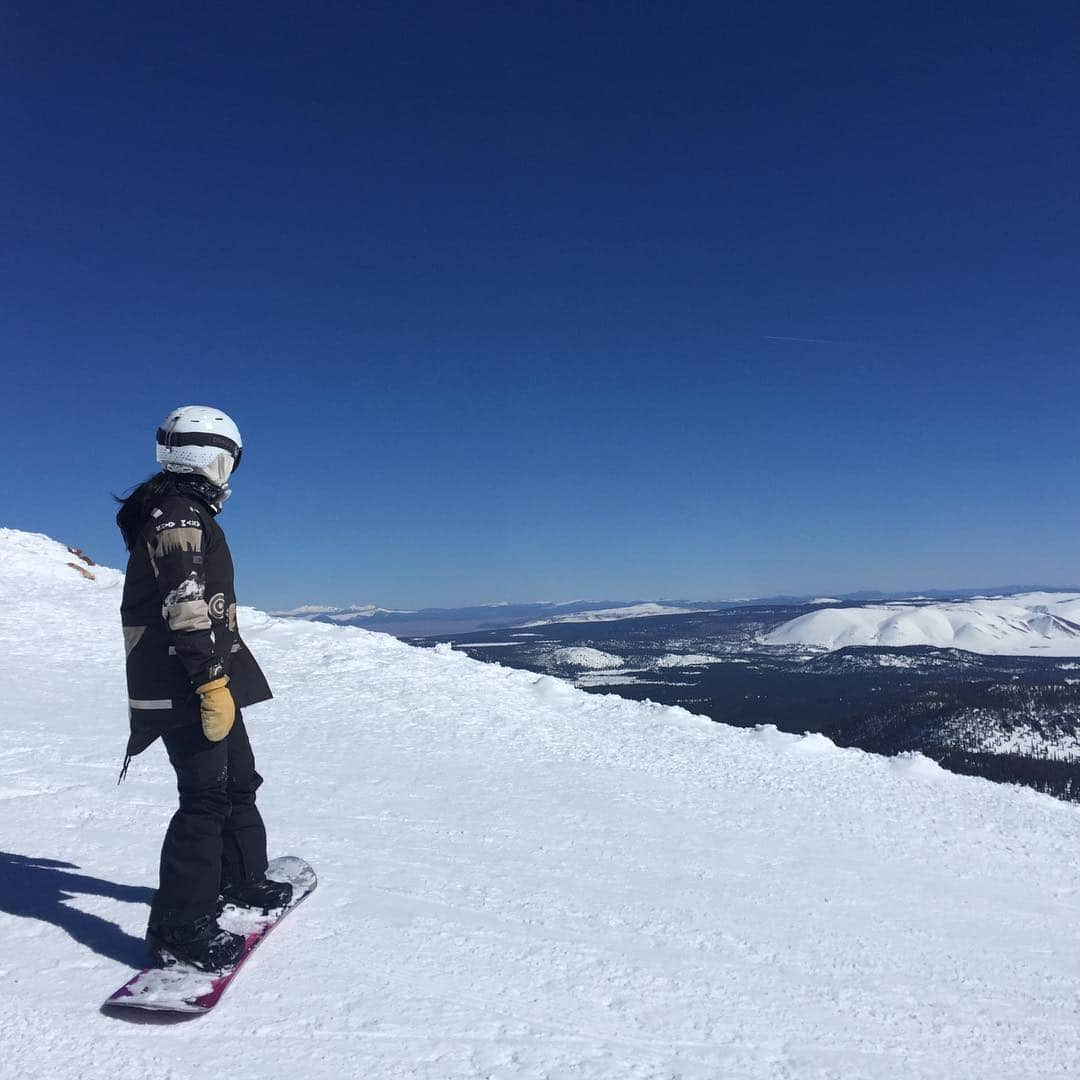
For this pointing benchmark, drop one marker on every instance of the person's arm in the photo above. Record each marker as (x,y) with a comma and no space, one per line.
(176,540)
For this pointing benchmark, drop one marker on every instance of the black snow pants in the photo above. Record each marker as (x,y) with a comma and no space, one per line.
(217,836)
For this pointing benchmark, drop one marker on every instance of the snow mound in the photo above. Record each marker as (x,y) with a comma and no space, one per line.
(42,562)
(520,880)
(581,656)
(1048,623)
(676,660)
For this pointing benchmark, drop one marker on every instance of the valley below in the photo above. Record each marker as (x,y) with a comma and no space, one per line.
(1009,718)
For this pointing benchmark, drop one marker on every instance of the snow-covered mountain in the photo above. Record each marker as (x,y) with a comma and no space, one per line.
(354,612)
(519,879)
(440,622)
(425,622)
(612,614)
(1047,623)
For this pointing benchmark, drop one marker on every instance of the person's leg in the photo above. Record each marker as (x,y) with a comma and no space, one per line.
(243,852)
(191,854)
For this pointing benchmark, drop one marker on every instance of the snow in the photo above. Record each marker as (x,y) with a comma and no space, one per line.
(611,678)
(581,656)
(888,660)
(340,614)
(1047,623)
(519,880)
(365,611)
(688,660)
(488,644)
(1033,742)
(308,609)
(631,611)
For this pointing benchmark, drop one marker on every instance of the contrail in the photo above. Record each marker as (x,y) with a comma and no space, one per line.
(805,340)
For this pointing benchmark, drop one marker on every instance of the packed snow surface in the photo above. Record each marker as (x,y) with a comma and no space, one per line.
(1047,623)
(521,880)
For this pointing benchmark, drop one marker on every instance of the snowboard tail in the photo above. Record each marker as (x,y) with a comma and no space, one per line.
(181,988)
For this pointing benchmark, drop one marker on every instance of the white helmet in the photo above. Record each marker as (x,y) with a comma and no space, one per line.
(200,439)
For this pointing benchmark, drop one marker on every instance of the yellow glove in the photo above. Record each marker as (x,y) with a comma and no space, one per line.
(217,707)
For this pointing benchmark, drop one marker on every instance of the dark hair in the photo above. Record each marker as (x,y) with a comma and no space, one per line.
(132,513)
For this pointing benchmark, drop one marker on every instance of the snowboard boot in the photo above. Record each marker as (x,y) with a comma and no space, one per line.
(262,896)
(201,943)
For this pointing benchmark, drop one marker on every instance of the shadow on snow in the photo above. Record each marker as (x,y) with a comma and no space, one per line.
(39,888)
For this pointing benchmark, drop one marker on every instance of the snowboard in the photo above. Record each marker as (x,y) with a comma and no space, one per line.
(181,988)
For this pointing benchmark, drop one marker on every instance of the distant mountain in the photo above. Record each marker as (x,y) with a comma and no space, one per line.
(866,595)
(1047,623)
(436,621)
(427,622)
(612,614)
(326,613)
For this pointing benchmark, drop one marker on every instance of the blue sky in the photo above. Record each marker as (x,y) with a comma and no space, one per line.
(555,301)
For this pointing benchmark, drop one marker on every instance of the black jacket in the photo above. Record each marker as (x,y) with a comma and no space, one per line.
(179,616)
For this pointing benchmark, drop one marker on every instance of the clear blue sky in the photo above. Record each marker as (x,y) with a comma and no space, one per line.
(509,300)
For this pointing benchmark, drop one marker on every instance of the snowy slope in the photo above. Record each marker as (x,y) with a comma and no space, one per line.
(1047,623)
(521,880)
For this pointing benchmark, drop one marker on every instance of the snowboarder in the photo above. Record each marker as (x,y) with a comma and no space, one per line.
(189,674)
